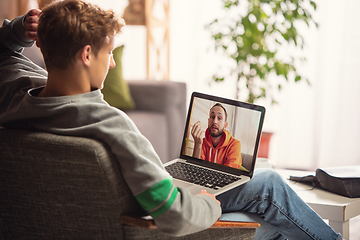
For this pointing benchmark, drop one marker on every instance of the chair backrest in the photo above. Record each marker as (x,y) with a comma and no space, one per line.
(60,187)
(246,160)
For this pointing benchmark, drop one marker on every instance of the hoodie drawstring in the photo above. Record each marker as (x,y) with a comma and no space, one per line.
(216,152)
(215,156)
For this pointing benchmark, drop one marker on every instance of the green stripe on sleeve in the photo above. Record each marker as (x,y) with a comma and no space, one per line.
(159,198)
(166,205)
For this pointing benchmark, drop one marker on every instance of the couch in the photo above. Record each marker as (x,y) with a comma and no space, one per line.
(160,114)
(61,187)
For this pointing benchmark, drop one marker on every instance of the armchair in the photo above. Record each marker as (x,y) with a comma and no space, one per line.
(71,188)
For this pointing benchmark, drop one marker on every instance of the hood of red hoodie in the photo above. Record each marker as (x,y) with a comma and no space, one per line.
(224,141)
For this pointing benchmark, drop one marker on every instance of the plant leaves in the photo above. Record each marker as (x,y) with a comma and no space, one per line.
(259,39)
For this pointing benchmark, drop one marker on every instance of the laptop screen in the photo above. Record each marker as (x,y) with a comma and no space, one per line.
(223,132)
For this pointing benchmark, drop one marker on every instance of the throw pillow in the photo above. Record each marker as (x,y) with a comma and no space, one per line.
(116,90)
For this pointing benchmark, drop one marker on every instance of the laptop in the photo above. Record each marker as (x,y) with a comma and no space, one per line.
(244,123)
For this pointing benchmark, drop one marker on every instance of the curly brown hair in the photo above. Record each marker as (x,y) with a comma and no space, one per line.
(66,27)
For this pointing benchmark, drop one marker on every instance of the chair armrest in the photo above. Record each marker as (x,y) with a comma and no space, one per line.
(235,224)
(147,222)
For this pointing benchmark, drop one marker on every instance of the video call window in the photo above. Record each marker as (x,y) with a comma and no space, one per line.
(242,124)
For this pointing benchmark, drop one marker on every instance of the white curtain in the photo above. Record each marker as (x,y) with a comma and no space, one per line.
(319,126)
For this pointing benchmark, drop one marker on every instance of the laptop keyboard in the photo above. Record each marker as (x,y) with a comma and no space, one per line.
(200,176)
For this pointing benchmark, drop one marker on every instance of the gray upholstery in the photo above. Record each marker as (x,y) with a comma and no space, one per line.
(60,187)
(246,160)
(160,114)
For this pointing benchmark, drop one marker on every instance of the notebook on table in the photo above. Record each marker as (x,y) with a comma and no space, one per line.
(244,123)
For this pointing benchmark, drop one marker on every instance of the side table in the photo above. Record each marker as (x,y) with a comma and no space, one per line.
(335,208)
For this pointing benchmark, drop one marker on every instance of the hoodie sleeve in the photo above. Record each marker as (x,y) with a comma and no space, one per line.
(189,214)
(175,210)
(12,35)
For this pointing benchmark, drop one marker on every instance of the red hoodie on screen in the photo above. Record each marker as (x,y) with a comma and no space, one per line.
(227,152)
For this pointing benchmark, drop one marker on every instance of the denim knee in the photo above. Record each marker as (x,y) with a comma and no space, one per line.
(268,178)
(268,174)
(265,186)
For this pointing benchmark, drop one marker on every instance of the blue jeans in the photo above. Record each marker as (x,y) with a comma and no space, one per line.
(282,213)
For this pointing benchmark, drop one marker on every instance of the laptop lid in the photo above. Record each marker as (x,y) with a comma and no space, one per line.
(244,123)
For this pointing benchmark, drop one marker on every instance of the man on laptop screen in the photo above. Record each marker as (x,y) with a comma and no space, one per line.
(218,146)
(230,136)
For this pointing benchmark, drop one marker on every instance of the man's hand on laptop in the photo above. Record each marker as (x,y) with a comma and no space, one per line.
(31,23)
(211,195)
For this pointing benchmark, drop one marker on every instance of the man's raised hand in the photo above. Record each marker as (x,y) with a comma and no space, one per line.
(197,133)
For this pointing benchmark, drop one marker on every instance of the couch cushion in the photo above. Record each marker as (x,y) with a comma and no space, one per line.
(116,90)
(166,97)
(154,127)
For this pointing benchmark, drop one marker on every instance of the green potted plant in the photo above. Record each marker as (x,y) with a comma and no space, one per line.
(251,33)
